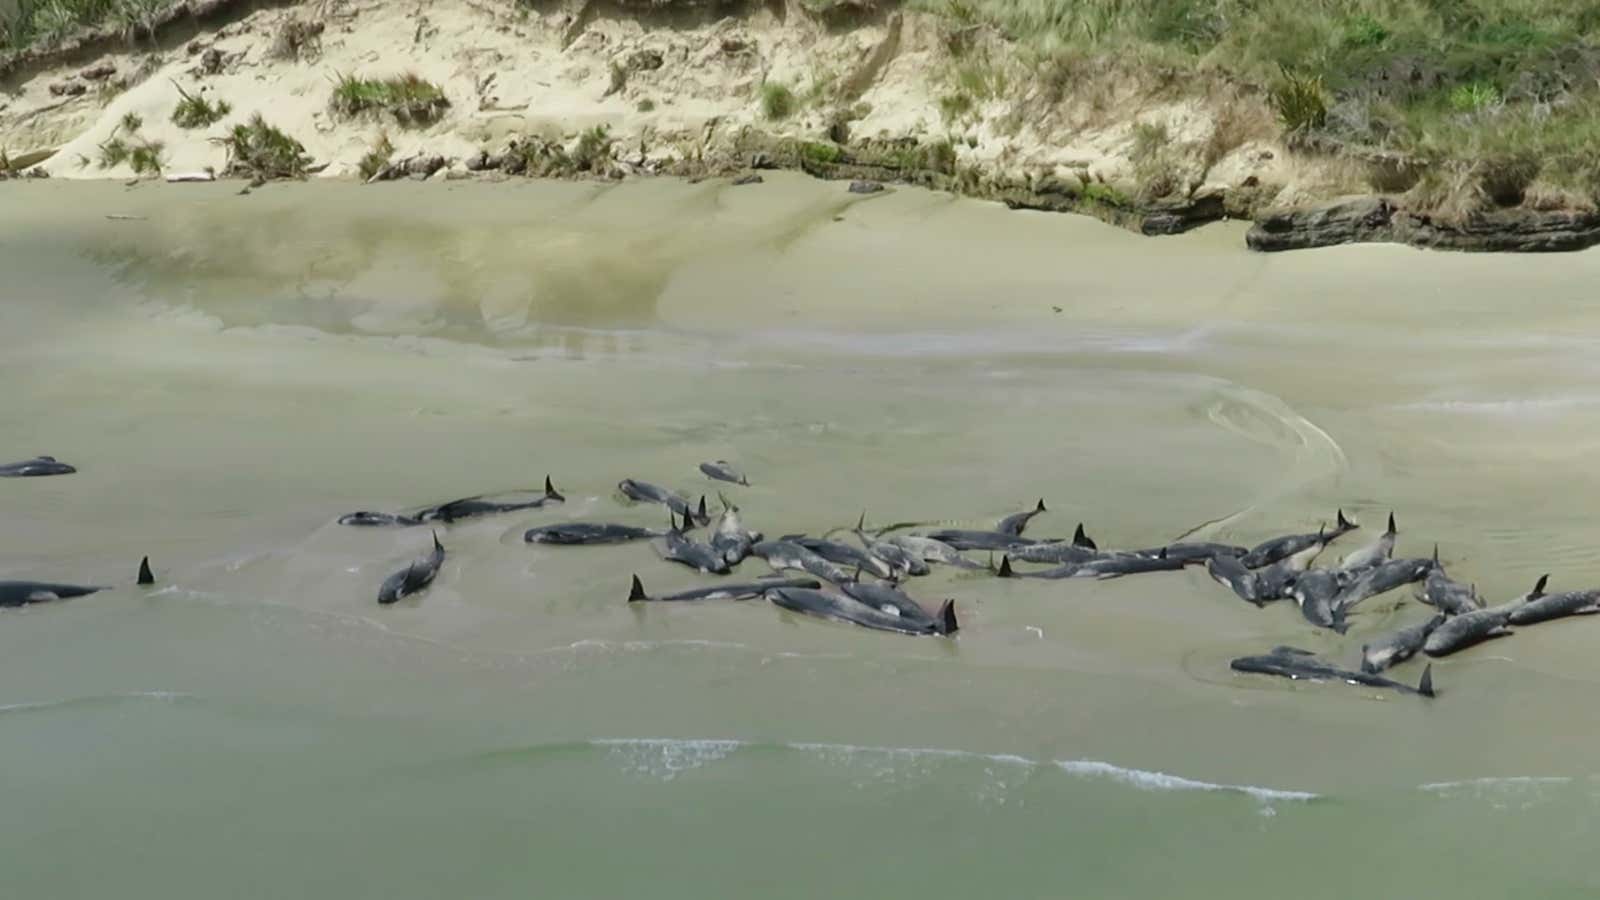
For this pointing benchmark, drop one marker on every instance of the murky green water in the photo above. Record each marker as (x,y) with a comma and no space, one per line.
(232,373)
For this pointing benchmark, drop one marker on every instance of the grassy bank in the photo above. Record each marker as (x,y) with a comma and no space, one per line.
(1460,105)
(1465,103)
(51,21)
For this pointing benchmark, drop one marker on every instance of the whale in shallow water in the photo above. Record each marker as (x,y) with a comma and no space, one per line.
(1547,607)
(1381,549)
(782,555)
(36,467)
(645,492)
(1269,552)
(1288,662)
(842,608)
(27,593)
(575,533)
(676,546)
(1016,522)
(484,505)
(892,601)
(1397,647)
(747,591)
(722,470)
(414,577)
(730,537)
(1449,597)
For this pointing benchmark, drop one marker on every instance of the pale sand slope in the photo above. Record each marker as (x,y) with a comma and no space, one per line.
(506,73)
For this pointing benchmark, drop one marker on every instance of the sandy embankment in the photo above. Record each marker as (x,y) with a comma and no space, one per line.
(691,95)
(678,87)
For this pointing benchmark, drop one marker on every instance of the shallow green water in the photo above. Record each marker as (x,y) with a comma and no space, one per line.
(232,373)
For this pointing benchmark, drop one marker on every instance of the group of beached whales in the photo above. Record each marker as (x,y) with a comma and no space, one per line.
(828,578)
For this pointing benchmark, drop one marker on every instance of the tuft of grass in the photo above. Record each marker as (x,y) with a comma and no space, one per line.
(194,111)
(377,157)
(47,22)
(1363,31)
(409,98)
(113,152)
(820,154)
(262,152)
(1105,195)
(940,156)
(777,101)
(131,122)
(594,149)
(1299,101)
(1149,140)
(1474,96)
(145,157)
(647,105)
(956,106)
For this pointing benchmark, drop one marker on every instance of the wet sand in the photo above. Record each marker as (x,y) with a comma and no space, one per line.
(232,373)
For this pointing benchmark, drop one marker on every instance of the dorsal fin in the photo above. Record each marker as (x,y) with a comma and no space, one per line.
(1425,686)
(1344,523)
(436,544)
(861,523)
(637,593)
(947,618)
(1005,567)
(1391,524)
(551,492)
(1080,539)
(1436,555)
(704,516)
(1538,586)
(145,575)
(1040,507)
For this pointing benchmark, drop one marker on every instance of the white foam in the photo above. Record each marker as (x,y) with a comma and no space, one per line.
(1510,781)
(168,696)
(1162,781)
(667,757)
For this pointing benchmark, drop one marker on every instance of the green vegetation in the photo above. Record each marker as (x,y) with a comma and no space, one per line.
(113,152)
(819,154)
(194,111)
(1298,100)
(53,21)
(594,149)
(1459,85)
(141,154)
(777,101)
(955,106)
(647,105)
(145,157)
(264,153)
(377,157)
(409,98)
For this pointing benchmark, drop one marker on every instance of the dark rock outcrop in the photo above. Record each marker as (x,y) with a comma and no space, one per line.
(1341,222)
(1378,219)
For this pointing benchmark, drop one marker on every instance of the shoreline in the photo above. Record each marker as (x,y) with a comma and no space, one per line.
(620,90)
